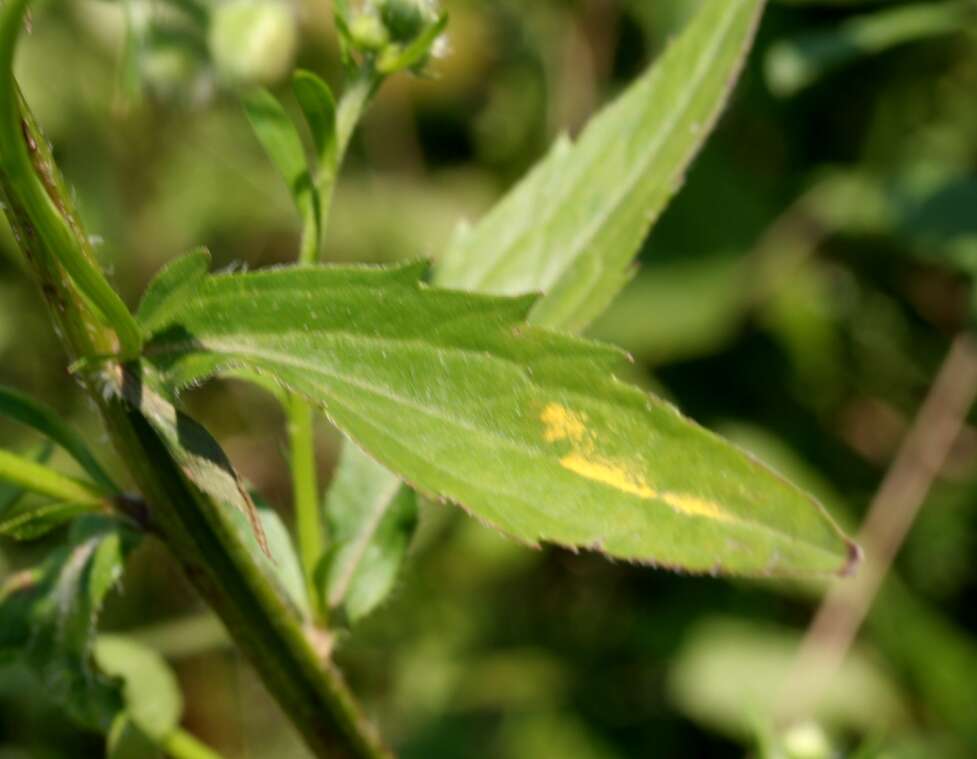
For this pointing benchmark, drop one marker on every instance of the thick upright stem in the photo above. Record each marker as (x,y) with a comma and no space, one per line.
(198,531)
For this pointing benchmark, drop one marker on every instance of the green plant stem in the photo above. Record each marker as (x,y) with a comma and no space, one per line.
(353,103)
(310,526)
(198,531)
(305,486)
(72,249)
(41,480)
(181,745)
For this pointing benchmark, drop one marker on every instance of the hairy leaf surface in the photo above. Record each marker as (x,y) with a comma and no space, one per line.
(572,227)
(526,428)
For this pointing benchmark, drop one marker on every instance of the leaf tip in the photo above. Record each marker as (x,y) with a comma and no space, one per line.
(853,560)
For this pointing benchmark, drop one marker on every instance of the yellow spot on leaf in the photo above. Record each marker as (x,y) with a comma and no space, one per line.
(695,506)
(607,473)
(563,424)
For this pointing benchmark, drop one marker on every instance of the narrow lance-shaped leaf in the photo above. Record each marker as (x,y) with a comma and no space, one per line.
(36,521)
(37,478)
(10,494)
(571,229)
(281,141)
(319,108)
(21,408)
(527,429)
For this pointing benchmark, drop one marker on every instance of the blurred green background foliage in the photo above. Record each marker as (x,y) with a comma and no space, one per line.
(798,296)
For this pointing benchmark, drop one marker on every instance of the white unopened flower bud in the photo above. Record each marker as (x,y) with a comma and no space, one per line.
(253,42)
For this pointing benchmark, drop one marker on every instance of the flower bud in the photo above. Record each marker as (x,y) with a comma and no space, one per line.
(253,42)
(406,19)
(369,33)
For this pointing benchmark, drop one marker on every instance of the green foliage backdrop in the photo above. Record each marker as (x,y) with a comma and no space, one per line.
(797,296)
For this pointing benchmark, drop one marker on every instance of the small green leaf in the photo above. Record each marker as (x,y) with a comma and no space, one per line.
(11,495)
(36,478)
(283,144)
(571,229)
(37,521)
(149,688)
(21,408)
(371,519)
(528,429)
(319,108)
(284,559)
(48,616)
(167,282)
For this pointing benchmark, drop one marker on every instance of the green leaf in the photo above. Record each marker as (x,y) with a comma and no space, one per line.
(48,617)
(36,478)
(371,519)
(21,408)
(170,279)
(319,108)
(149,688)
(277,134)
(286,564)
(572,228)
(11,495)
(36,521)
(528,429)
